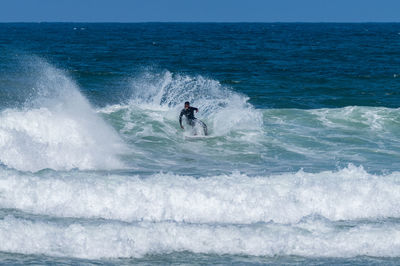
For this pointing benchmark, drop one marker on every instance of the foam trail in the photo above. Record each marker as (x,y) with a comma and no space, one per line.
(56,129)
(115,240)
(347,194)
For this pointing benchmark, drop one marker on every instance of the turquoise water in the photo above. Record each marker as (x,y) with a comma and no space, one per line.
(301,165)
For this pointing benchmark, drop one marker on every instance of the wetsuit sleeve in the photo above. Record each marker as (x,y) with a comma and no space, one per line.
(180,118)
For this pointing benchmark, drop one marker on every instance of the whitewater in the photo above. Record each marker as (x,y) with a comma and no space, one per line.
(51,202)
(117,180)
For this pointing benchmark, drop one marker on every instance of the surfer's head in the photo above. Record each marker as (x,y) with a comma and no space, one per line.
(187,105)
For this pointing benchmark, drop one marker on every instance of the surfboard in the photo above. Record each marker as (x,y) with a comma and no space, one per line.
(196,137)
(200,128)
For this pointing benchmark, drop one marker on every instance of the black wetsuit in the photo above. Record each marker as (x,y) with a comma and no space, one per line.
(189,114)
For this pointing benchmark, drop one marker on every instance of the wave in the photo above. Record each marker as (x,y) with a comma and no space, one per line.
(217,195)
(57,128)
(244,138)
(347,194)
(222,108)
(311,238)
(163,93)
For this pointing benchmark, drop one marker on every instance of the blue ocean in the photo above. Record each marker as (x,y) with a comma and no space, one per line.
(301,164)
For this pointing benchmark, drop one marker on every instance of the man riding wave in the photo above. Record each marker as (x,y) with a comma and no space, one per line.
(188,112)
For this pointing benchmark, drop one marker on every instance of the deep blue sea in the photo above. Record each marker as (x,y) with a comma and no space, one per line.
(301,164)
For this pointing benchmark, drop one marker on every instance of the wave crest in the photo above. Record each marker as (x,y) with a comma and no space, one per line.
(56,129)
(348,194)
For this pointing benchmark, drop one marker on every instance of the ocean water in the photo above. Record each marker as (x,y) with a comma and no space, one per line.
(301,166)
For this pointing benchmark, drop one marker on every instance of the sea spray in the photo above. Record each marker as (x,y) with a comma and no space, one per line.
(56,128)
(219,105)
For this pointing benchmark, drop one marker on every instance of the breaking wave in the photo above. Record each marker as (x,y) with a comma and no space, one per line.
(57,128)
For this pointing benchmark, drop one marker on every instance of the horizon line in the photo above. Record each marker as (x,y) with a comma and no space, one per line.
(214,22)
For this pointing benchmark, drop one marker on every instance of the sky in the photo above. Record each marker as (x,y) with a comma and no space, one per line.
(199,10)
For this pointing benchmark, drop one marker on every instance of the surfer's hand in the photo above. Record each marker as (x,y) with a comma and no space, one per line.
(182,127)
(197,110)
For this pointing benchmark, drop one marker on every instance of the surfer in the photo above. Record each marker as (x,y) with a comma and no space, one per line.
(188,112)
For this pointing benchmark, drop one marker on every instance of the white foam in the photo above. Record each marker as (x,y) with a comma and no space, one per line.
(347,194)
(58,129)
(222,109)
(116,240)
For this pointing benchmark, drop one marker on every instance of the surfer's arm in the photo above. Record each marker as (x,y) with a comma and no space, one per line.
(180,119)
(196,109)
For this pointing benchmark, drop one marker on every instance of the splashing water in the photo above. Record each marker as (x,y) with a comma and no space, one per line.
(57,129)
(178,187)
